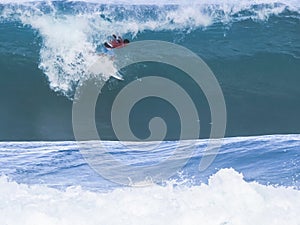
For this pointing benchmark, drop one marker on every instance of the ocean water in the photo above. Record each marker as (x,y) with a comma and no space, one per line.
(253,180)
(252,47)
(253,50)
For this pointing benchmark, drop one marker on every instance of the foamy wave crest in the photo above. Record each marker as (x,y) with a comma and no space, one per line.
(227,199)
(169,2)
(72,31)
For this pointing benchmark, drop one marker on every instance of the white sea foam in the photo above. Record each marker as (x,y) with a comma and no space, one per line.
(171,2)
(227,199)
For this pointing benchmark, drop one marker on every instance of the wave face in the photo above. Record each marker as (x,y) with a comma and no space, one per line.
(46,48)
(71,31)
(50,183)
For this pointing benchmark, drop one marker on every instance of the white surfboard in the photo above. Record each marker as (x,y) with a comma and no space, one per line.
(118,76)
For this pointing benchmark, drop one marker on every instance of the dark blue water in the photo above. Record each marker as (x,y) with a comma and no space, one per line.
(269,160)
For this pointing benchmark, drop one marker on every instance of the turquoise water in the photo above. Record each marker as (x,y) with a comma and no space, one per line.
(253,50)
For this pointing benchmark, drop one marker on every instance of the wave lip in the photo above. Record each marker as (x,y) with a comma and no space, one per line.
(168,2)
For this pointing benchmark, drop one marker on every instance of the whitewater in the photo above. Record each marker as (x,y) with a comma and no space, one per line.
(226,199)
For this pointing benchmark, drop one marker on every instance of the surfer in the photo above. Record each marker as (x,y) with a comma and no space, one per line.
(116,42)
(107,52)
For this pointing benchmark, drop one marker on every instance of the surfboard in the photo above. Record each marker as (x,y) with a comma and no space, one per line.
(118,76)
